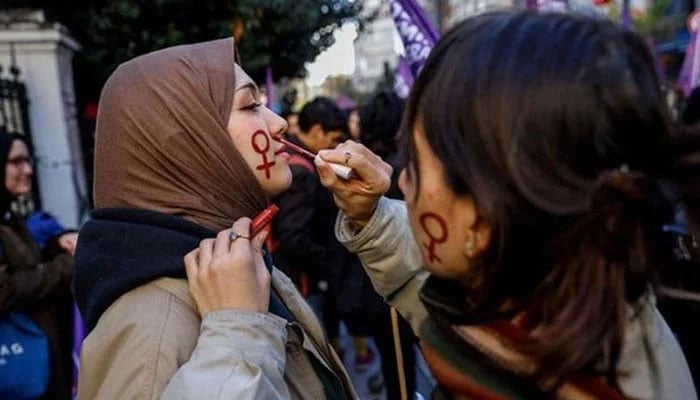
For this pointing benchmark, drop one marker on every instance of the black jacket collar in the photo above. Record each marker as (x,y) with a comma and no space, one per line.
(120,249)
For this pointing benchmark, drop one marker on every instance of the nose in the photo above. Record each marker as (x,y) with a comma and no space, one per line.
(278,125)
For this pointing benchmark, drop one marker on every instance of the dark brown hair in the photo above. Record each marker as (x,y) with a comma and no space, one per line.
(556,126)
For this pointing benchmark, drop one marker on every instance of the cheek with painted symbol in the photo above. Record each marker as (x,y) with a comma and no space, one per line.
(261,144)
(435,227)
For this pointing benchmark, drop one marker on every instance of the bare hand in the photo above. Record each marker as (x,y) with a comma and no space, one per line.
(356,197)
(229,274)
(68,242)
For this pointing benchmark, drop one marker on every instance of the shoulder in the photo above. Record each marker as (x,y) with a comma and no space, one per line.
(147,333)
(652,364)
(156,309)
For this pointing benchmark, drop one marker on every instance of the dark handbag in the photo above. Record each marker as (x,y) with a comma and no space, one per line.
(24,358)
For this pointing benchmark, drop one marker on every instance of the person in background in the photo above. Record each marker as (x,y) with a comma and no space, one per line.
(293,124)
(540,179)
(354,124)
(679,300)
(31,284)
(379,121)
(305,248)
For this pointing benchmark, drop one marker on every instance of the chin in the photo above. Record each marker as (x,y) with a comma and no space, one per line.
(445,271)
(275,188)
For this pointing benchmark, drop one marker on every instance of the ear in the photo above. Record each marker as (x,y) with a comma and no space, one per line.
(480,236)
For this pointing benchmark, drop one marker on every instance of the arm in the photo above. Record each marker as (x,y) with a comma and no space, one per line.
(390,256)
(239,354)
(34,284)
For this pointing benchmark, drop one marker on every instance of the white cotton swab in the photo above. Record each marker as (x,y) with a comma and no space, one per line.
(342,171)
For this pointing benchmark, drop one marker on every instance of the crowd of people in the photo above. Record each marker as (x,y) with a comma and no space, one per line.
(528,211)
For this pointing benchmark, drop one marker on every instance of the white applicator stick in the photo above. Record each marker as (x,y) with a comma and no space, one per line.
(343,171)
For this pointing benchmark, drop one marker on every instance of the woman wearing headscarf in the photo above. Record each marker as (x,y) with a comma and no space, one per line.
(184,149)
(29,284)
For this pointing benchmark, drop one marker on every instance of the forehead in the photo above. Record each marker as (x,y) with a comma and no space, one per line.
(242,77)
(18,147)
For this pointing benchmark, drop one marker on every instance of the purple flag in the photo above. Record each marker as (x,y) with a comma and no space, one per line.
(417,33)
(269,86)
(404,78)
(689,77)
(78,336)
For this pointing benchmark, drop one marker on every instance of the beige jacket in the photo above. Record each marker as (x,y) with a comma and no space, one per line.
(151,344)
(651,367)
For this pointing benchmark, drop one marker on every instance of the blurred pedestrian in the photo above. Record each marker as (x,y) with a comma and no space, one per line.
(354,124)
(380,121)
(305,247)
(35,295)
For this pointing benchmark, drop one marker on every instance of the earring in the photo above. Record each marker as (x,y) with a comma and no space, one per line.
(470,247)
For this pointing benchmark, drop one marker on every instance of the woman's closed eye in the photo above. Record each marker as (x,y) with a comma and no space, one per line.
(252,106)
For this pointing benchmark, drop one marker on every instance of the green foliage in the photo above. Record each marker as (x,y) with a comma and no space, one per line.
(283,33)
(656,22)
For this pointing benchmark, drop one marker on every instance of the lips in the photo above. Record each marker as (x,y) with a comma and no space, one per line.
(282,149)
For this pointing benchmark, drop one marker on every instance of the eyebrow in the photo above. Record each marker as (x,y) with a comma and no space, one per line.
(249,85)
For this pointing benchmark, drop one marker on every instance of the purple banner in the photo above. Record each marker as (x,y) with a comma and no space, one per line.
(404,78)
(417,33)
(688,77)
(269,88)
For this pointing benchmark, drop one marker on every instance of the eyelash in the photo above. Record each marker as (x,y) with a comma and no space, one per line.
(252,107)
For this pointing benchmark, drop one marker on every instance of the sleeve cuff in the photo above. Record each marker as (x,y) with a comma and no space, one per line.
(244,330)
(354,241)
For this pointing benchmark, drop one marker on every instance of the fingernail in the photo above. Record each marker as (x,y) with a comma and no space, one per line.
(319,161)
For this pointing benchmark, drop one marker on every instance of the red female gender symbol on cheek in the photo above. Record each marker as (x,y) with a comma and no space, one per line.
(435,237)
(262,150)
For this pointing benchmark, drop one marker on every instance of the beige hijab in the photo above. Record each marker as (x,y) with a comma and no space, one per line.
(161,141)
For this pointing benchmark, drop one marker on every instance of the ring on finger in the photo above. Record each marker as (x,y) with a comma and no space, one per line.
(235,235)
(347,157)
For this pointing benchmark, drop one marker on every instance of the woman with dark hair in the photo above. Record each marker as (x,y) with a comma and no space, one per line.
(537,188)
(32,285)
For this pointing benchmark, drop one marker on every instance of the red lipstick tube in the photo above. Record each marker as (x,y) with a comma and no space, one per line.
(263,219)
